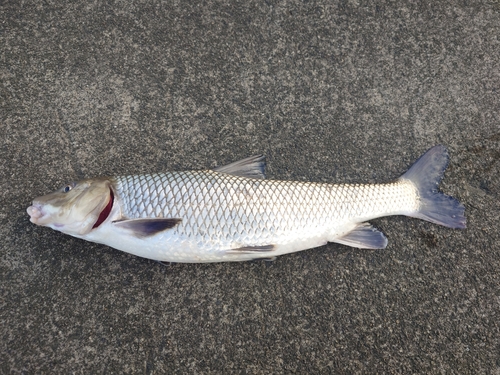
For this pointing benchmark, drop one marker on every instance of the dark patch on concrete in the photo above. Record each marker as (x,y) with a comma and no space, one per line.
(430,239)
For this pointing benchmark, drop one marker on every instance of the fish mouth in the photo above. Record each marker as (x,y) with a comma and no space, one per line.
(36,212)
(40,216)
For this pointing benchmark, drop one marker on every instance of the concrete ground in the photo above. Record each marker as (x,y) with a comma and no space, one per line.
(346,91)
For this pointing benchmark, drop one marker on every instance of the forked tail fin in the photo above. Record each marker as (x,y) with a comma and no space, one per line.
(435,206)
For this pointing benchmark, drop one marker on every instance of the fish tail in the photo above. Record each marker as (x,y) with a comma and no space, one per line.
(434,206)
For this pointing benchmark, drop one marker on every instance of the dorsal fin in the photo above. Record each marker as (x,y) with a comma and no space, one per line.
(251,167)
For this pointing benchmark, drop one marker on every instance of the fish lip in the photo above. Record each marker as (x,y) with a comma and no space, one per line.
(36,212)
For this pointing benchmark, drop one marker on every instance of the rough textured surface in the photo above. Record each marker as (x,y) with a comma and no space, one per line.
(331,91)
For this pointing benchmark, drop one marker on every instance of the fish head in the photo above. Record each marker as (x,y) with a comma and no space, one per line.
(74,209)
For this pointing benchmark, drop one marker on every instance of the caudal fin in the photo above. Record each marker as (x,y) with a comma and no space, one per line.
(435,206)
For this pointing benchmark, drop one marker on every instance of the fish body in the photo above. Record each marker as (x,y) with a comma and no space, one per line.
(232,213)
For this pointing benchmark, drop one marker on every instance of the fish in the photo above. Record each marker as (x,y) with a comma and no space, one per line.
(233,213)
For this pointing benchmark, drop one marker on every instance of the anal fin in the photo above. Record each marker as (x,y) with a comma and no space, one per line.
(363,236)
(147,227)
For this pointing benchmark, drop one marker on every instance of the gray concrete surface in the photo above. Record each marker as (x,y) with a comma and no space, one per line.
(330,91)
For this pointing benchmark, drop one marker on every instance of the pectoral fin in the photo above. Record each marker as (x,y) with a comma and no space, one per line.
(364,236)
(147,227)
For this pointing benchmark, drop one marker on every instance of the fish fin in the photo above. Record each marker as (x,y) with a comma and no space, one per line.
(363,236)
(251,249)
(435,206)
(147,227)
(251,167)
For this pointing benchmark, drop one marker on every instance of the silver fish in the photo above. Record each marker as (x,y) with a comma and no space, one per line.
(232,213)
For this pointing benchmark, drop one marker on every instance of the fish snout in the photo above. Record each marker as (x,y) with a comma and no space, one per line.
(35,211)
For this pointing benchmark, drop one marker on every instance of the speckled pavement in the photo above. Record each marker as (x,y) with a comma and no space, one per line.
(345,91)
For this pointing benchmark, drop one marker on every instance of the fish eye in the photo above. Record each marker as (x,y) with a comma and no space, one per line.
(68,187)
